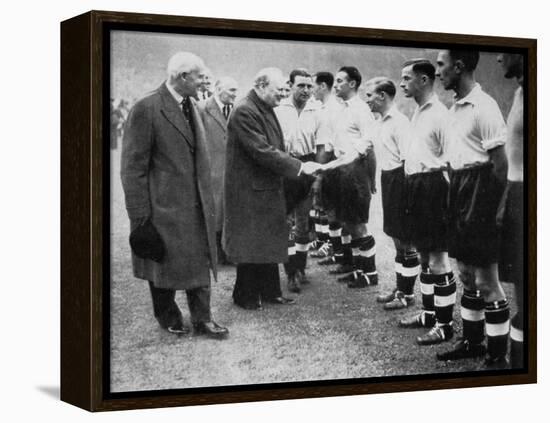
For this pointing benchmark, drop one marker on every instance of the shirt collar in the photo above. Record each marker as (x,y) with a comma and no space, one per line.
(433,98)
(311,104)
(218,102)
(352,100)
(472,97)
(391,112)
(332,99)
(178,97)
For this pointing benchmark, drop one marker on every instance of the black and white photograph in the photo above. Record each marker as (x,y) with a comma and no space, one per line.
(289,211)
(234,211)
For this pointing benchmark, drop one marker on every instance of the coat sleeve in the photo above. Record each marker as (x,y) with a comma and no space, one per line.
(135,160)
(248,132)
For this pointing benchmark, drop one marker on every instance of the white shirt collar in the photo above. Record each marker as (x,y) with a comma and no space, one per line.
(352,100)
(218,102)
(391,112)
(433,98)
(472,97)
(178,97)
(311,104)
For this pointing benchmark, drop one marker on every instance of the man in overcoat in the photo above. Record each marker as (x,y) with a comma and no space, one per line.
(255,230)
(215,113)
(166,181)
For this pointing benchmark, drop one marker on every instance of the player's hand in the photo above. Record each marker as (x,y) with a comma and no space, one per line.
(310,168)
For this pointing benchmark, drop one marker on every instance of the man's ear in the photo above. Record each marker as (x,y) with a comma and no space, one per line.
(459,66)
(352,84)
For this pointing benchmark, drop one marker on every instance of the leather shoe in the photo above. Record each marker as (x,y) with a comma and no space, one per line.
(461,350)
(330,260)
(421,320)
(496,363)
(400,301)
(436,335)
(386,297)
(294,284)
(282,301)
(342,269)
(210,329)
(178,329)
(250,306)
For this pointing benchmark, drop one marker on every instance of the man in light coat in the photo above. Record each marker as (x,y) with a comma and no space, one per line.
(215,113)
(166,180)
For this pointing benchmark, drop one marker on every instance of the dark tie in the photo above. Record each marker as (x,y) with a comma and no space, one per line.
(186,109)
(226,111)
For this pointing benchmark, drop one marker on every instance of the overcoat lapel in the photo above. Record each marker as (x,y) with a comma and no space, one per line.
(172,112)
(202,167)
(269,116)
(213,110)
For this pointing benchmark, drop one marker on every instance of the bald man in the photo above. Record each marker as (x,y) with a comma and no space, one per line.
(255,227)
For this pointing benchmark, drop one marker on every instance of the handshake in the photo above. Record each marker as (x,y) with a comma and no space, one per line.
(311,168)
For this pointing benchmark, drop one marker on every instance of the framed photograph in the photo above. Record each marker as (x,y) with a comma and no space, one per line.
(256,211)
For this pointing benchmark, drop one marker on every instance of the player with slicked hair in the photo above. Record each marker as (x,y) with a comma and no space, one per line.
(478,177)
(301,129)
(349,181)
(426,205)
(391,144)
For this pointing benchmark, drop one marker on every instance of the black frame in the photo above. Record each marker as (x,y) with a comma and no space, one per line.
(85,309)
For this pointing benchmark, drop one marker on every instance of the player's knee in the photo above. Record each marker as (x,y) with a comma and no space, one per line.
(439,263)
(467,278)
(488,288)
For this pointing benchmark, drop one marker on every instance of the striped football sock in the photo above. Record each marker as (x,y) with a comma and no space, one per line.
(497,325)
(410,267)
(347,255)
(367,254)
(399,257)
(473,316)
(444,298)
(516,342)
(427,291)
(335,234)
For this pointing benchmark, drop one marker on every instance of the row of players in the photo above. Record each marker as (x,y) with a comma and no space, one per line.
(447,176)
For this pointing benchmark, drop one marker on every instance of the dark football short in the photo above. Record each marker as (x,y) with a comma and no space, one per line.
(347,191)
(426,210)
(298,189)
(474,196)
(393,202)
(510,223)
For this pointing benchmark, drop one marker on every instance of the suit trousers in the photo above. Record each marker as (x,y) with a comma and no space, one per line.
(167,311)
(256,282)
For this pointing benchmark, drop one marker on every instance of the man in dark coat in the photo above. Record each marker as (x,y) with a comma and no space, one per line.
(166,181)
(215,113)
(255,230)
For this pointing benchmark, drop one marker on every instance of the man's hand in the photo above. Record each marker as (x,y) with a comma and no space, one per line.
(373,188)
(310,168)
